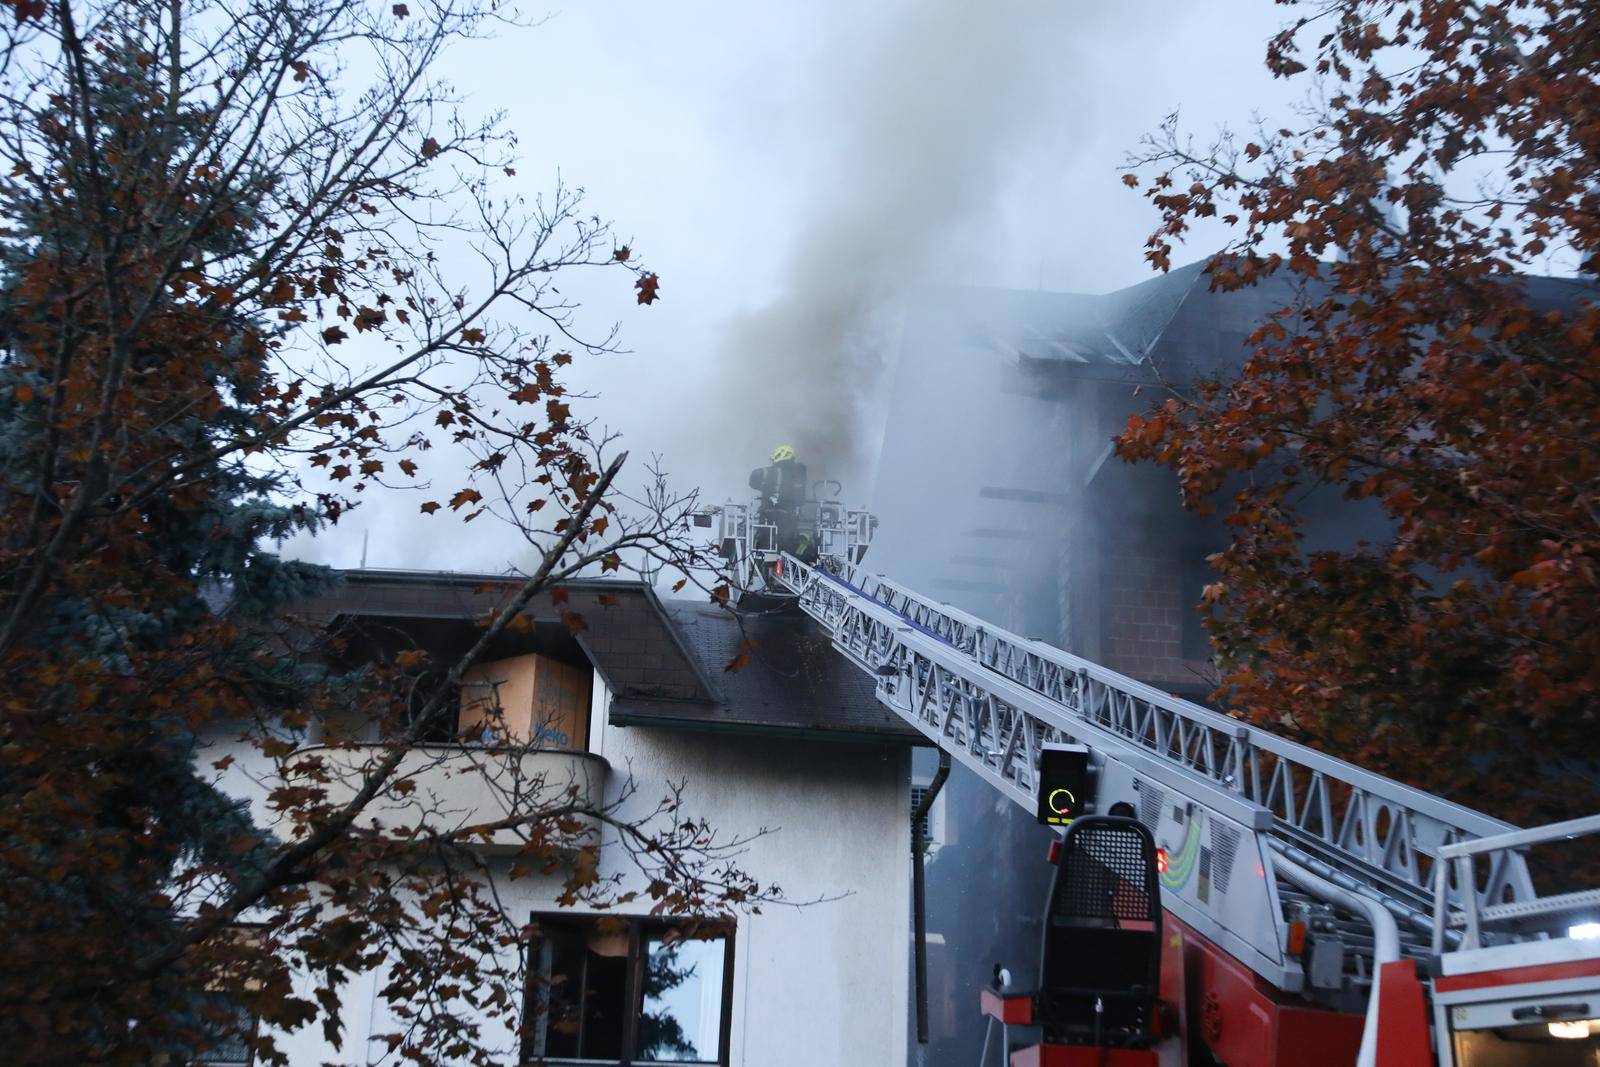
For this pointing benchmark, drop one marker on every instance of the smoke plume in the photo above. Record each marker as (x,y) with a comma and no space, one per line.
(922,115)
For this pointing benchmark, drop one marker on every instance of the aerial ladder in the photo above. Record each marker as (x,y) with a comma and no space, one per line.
(1298,909)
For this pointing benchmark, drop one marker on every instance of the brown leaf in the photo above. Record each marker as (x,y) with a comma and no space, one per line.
(430,507)
(647,284)
(333,335)
(430,148)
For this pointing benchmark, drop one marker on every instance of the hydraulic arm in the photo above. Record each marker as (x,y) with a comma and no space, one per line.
(1262,838)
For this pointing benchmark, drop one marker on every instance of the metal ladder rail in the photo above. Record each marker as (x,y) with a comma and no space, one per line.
(1345,833)
(993,725)
(996,728)
(1371,827)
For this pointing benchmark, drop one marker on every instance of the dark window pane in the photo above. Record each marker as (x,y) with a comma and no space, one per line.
(228,1029)
(680,1019)
(579,991)
(555,994)
(605,999)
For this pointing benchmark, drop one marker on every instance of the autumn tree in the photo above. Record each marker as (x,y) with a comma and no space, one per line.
(257,267)
(1446,154)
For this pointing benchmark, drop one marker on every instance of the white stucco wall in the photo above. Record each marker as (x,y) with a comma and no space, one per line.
(826,983)
(819,985)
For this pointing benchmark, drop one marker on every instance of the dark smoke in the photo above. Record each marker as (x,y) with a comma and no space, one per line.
(923,115)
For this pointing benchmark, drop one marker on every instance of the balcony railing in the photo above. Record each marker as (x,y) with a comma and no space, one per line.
(448,788)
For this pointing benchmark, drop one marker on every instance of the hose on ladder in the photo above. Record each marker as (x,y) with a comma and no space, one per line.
(1385,939)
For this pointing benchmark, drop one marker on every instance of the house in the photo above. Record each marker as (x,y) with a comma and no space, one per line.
(998,491)
(636,700)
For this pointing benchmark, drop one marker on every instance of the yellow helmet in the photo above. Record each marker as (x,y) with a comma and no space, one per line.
(781,453)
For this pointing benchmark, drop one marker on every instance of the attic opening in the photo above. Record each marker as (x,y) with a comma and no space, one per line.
(531,686)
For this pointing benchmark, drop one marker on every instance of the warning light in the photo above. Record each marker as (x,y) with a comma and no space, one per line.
(1161,861)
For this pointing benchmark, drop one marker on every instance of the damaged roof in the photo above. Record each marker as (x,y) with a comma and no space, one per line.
(663,662)
(1173,327)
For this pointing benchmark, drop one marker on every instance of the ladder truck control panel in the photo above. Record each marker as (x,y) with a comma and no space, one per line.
(1222,895)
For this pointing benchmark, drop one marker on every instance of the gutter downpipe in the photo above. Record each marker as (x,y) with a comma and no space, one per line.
(1385,939)
(919,919)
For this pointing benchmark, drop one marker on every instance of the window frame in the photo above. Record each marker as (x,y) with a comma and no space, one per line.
(639,927)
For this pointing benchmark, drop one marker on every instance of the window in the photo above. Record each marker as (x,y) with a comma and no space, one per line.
(230,1027)
(615,990)
(917,793)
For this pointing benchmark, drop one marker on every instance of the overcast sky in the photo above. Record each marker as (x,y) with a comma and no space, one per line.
(789,170)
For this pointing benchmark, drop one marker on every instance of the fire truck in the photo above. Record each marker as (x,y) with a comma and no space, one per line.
(1221,894)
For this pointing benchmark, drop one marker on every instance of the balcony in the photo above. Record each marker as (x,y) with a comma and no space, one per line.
(449,787)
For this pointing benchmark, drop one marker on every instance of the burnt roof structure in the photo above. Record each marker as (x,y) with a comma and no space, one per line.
(663,662)
(998,486)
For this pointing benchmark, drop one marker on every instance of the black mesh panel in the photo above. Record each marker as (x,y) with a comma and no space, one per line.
(1100,963)
(1105,876)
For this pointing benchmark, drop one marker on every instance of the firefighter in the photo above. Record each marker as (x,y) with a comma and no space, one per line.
(781,489)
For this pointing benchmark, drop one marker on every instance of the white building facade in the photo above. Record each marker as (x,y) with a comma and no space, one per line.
(790,752)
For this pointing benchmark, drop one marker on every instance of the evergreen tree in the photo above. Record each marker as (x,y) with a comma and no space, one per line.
(197,218)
